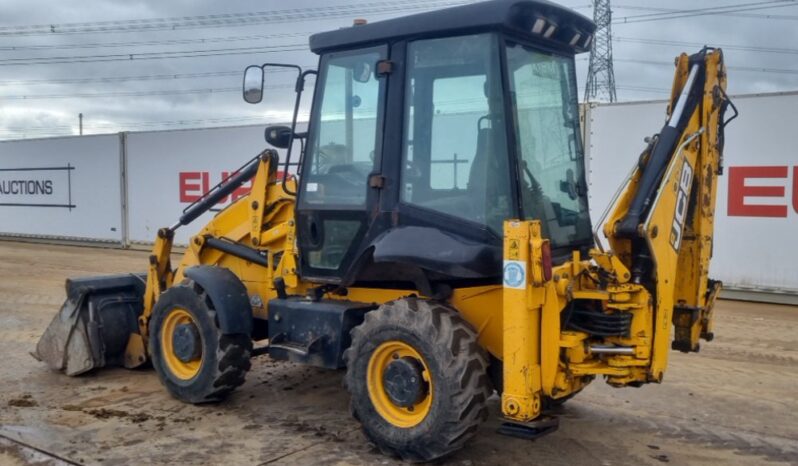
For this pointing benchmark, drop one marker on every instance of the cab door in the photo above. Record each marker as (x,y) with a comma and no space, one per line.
(344,147)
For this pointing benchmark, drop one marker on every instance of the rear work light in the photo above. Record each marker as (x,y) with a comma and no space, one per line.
(538,25)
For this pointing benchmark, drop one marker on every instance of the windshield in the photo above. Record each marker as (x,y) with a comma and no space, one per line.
(546,113)
(344,130)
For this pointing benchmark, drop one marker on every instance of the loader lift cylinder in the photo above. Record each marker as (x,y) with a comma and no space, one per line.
(219,192)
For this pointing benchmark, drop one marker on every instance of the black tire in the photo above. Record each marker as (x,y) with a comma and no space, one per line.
(458,372)
(225,359)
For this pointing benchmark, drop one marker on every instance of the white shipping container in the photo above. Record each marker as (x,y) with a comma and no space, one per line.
(757,204)
(62,188)
(73,188)
(167,170)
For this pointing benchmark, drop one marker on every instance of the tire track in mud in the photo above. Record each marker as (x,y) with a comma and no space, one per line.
(757,444)
(743,355)
(10,298)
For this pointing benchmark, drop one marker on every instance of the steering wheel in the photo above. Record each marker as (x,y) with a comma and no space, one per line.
(348,173)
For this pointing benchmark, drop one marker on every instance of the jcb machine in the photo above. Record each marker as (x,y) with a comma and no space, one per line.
(436,242)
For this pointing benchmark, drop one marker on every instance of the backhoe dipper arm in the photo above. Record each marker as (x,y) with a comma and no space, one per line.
(661,225)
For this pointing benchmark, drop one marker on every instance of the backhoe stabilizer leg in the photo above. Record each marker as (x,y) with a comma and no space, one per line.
(694,323)
(530,430)
(523,299)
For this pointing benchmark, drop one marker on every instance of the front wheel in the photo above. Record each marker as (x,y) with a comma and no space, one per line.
(418,379)
(193,359)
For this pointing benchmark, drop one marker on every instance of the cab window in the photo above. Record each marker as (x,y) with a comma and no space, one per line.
(344,131)
(455,158)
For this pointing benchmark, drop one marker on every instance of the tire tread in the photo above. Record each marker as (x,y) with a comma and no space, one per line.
(468,367)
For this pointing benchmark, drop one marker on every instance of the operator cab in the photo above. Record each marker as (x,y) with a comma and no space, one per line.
(428,131)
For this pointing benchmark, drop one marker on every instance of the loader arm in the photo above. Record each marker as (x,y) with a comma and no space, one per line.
(243,221)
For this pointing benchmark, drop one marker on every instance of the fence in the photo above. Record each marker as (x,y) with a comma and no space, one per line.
(119,189)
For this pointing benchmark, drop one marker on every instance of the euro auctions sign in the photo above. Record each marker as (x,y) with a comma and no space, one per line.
(763,191)
(194,184)
(64,188)
(32,186)
(169,170)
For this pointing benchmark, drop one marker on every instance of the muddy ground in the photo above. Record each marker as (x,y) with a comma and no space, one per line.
(733,403)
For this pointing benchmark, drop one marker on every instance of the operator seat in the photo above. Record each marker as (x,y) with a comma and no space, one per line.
(480,168)
(488,187)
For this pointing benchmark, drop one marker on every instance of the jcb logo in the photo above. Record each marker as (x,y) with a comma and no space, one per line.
(682,198)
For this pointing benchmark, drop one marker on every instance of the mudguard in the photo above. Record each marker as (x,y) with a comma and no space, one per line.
(228,295)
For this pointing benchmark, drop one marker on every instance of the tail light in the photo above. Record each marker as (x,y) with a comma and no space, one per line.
(546,260)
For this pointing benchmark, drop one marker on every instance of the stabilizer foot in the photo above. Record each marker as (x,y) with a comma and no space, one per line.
(530,430)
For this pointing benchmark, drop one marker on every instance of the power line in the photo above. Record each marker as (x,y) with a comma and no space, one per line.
(741,15)
(151,55)
(736,68)
(150,43)
(154,77)
(224,20)
(704,11)
(138,124)
(117,79)
(112,127)
(220,90)
(125,94)
(669,11)
(745,48)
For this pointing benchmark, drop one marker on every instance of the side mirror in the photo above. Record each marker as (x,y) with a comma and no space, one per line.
(570,185)
(278,136)
(253,84)
(362,72)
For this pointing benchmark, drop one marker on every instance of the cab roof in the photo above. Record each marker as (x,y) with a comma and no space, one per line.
(572,31)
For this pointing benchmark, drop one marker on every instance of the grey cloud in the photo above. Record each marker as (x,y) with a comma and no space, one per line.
(112,114)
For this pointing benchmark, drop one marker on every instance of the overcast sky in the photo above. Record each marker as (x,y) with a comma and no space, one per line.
(49,75)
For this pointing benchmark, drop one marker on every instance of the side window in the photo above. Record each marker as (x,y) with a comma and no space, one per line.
(545,106)
(344,131)
(342,151)
(455,151)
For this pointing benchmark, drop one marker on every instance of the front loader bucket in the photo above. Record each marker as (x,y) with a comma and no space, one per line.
(94,325)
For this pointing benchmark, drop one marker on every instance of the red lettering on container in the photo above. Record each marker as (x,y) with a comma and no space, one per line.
(189,192)
(193,185)
(738,191)
(795,189)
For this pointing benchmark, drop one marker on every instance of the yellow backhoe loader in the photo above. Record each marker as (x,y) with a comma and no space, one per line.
(436,241)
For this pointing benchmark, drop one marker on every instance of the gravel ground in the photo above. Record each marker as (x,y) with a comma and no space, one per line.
(733,403)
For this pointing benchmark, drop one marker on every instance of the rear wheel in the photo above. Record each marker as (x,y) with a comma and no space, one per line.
(418,379)
(193,359)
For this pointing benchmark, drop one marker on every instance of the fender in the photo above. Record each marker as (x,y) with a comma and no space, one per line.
(228,295)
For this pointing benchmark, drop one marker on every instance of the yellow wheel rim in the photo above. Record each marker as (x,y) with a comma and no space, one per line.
(180,369)
(399,416)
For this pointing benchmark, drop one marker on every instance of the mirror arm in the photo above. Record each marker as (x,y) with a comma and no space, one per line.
(300,87)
